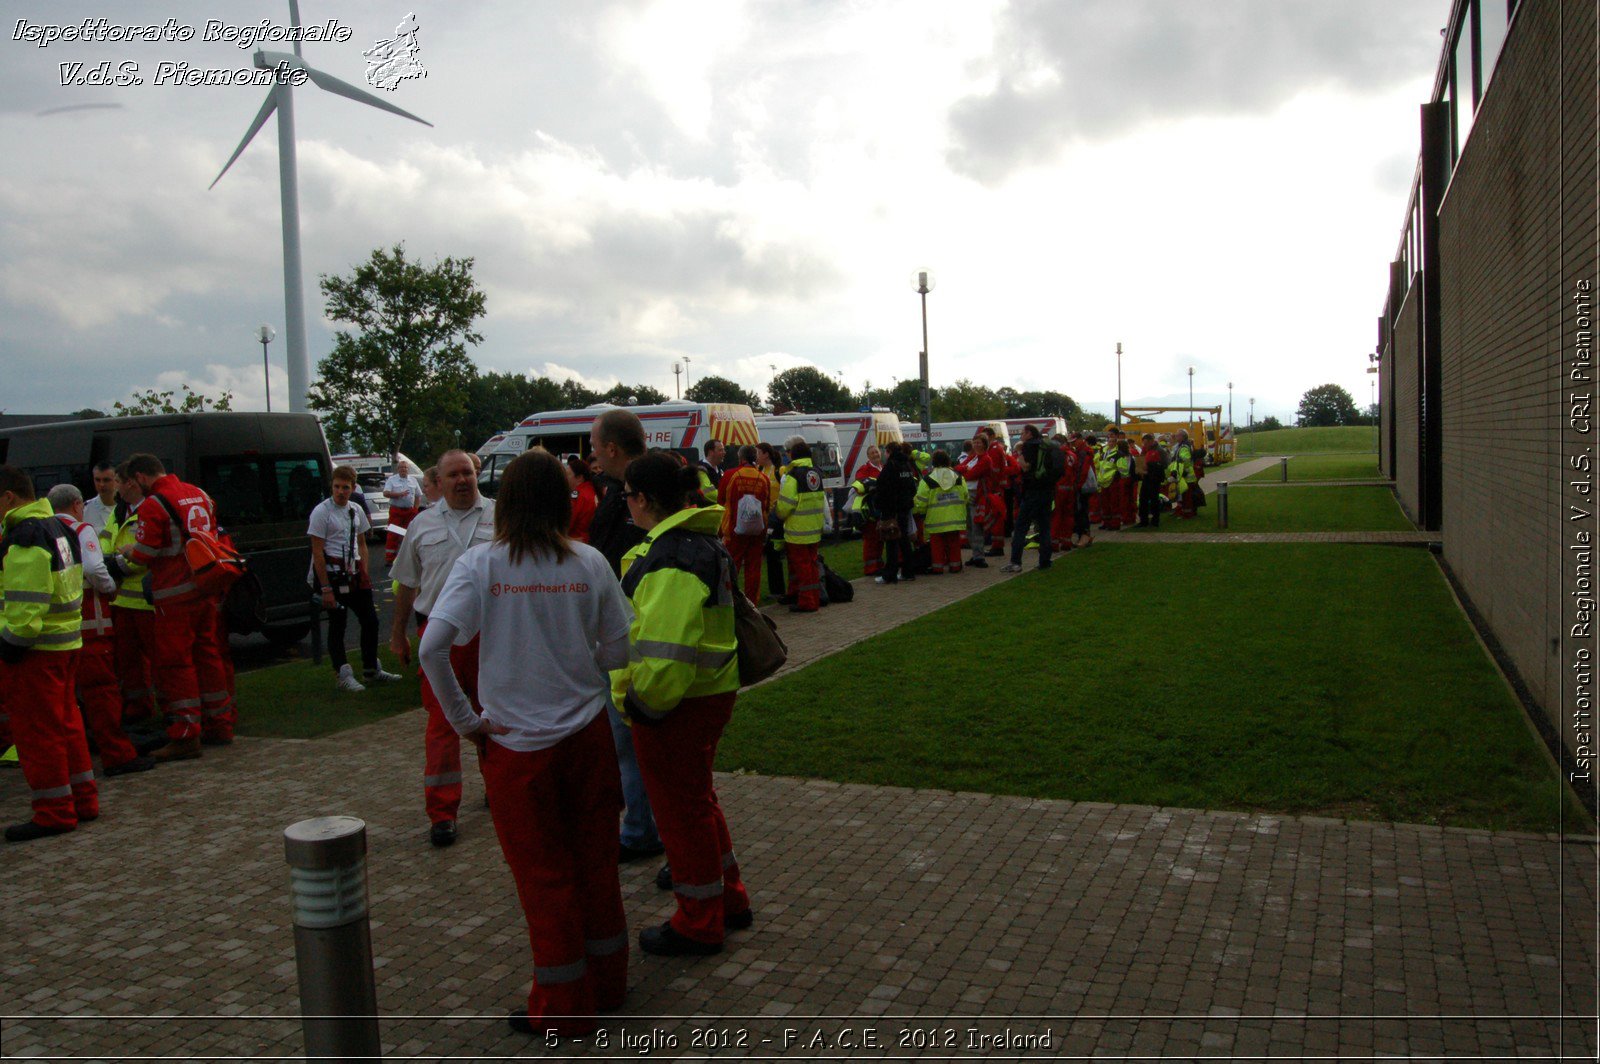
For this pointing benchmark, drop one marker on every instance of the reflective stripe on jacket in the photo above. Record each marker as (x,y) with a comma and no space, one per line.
(942,501)
(681,643)
(41,573)
(800,503)
(130,590)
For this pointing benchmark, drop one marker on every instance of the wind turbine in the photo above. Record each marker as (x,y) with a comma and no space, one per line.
(280,98)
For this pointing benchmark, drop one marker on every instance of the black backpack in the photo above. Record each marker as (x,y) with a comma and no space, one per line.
(1049,465)
(835,588)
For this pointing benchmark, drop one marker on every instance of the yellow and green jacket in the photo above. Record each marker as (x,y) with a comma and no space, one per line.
(801,503)
(130,575)
(41,576)
(681,643)
(1182,466)
(942,501)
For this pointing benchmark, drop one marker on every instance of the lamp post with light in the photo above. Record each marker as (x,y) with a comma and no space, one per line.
(1191,389)
(1118,419)
(922,281)
(265,334)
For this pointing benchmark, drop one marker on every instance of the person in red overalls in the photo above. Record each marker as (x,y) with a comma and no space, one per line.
(188,666)
(584,498)
(99,695)
(1062,517)
(871,543)
(746,546)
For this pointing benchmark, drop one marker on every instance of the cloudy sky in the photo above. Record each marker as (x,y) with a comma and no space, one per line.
(747,184)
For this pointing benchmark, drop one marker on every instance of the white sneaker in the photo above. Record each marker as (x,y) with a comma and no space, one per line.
(1011,568)
(347,680)
(382,677)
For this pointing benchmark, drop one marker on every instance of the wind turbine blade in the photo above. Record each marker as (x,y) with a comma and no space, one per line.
(294,22)
(343,88)
(262,115)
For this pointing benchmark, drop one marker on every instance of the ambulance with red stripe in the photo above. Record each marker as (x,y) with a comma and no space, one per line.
(675,426)
(858,430)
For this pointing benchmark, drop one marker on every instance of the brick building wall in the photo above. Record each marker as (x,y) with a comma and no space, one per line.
(1406,356)
(1517,226)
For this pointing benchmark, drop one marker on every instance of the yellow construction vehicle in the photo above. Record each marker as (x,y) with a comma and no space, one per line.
(1206,430)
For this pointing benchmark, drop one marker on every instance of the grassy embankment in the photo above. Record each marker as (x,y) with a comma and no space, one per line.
(1289,678)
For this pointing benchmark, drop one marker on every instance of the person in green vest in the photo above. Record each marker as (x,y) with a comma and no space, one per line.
(800,508)
(942,504)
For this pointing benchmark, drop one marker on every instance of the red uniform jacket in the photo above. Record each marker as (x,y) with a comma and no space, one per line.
(160,547)
(742,481)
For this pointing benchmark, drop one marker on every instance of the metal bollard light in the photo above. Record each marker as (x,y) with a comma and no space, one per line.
(1222,504)
(332,937)
(1283,464)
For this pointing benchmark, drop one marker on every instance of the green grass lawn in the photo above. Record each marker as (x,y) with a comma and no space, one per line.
(1323,679)
(297,700)
(1322,467)
(1309,441)
(1298,509)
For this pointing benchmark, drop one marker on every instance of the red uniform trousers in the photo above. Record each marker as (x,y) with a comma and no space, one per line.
(1061,519)
(441,766)
(945,551)
(555,811)
(1129,499)
(219,714)
(49,736)
(871,550)
(1111,504)
(746,552)
(675,757)
(134,632)
(805,579)
(101,698)
(187,664)
(399,517)
(1096,509)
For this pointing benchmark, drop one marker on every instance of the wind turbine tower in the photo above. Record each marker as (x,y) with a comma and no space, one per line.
(280,98)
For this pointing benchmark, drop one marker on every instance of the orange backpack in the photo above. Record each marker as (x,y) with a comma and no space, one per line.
(214,565)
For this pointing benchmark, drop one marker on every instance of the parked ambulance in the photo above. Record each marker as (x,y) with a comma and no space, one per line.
(858,430)
(949,436)
(1047,426)
(674,426)
(823,436)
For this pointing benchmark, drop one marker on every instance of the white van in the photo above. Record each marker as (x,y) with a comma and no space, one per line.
(675,426)
(823,436)
(949,436)
(371,471)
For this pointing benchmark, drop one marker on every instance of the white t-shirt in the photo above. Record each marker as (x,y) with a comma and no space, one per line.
(550,632)
(413,491)
(333,523)
(97,513)
(434,541)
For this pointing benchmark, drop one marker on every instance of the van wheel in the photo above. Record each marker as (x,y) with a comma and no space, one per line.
(287,635)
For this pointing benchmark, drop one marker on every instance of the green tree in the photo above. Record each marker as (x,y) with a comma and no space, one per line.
(966,401)
(1088,421)
(715,389)
(632,395)
(498,400)
(151,401)
(398,380)
(1326,404)
(808,389)
(88,413)
(1039,404)
(575,396)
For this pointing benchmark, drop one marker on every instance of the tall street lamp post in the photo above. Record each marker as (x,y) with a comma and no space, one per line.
(1252,413)
(677,380)
(923,280)
(265,335)
(1118,418)
(1191,389)
(1230,404)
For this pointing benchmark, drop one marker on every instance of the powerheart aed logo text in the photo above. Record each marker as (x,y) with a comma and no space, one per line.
(494,589)
(395,60)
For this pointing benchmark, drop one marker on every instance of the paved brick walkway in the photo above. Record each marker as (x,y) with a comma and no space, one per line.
(903,917)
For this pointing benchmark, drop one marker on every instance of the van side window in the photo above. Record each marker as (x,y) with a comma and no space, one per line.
(253,490)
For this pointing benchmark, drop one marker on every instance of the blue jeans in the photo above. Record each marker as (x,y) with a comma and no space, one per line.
(1034,509)
(638,823)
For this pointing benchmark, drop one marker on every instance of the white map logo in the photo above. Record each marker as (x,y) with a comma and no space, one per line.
(392,61)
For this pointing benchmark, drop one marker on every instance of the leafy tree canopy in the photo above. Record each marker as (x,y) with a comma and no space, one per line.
(631,395)
(715,389)
(966,401)
(1327,404)
(151,401)
(398,379)
(808,389)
